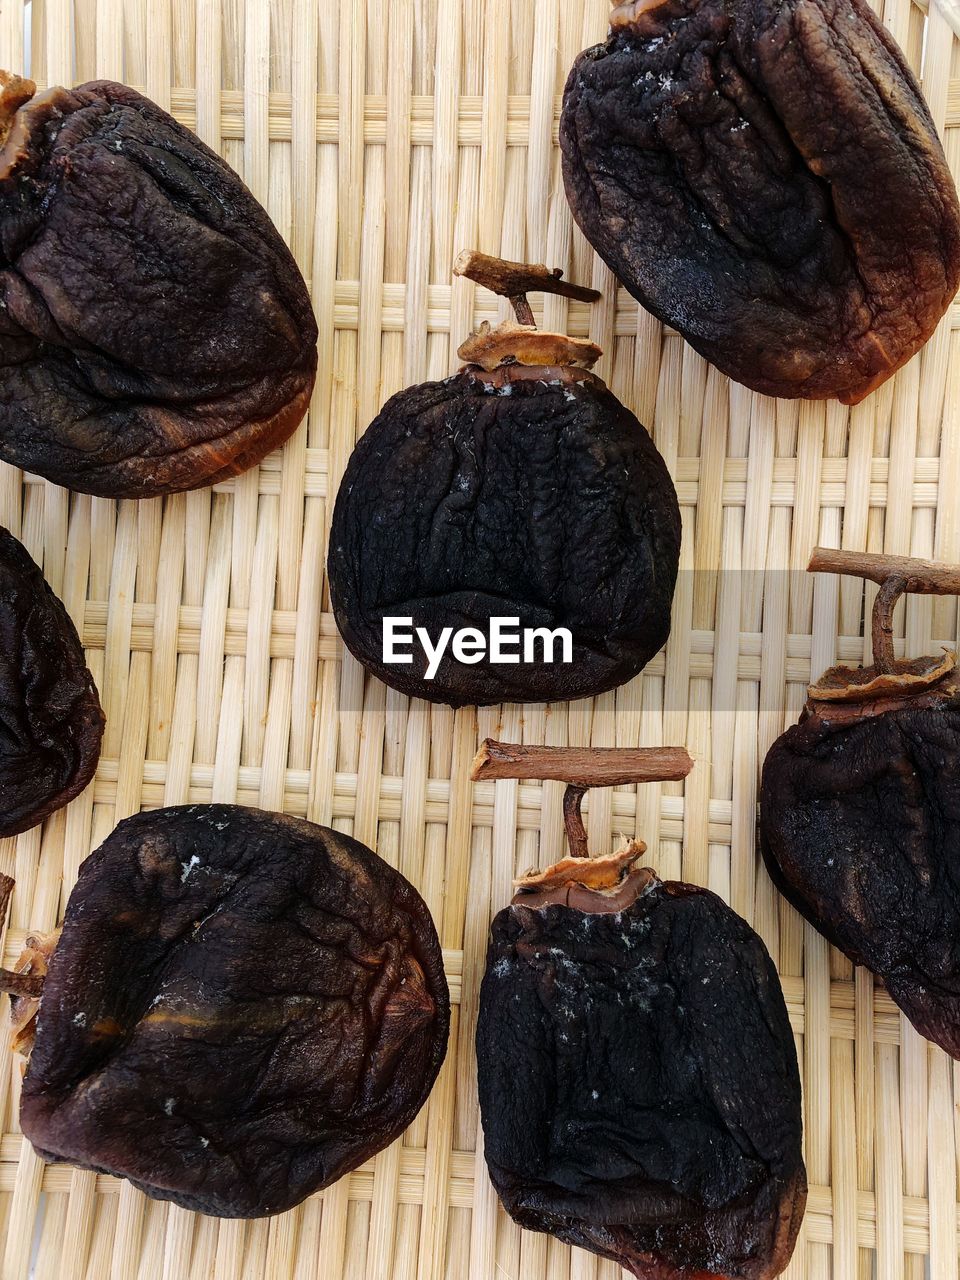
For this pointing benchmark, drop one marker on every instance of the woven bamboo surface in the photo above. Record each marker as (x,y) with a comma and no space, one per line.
(383,138)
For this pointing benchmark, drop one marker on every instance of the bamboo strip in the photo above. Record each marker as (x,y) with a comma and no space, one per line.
(230,122)
(358,1188)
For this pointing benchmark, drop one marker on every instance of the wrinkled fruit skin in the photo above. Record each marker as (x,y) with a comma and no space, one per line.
(242,1007)
(155,332)
(542,499)
(766,177)
(860,830)
(639,1087)
(51,723)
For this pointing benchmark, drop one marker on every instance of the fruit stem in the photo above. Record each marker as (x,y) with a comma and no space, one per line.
(581,768)
(514,280)
(881,635)
(895,575)
(11,982)
(573,821)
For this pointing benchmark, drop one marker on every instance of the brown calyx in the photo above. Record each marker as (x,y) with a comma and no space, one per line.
(602,885)
(32,965)
(22,112)
(889,678)
(911,676)
(626,13)
(493,346)
(24,982)
(14,92)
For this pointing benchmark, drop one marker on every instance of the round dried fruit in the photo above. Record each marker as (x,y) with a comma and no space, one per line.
(155,333)
(516,489)
(860,807)
(51,722)
(241,1008)
(766,178)
(638,1079)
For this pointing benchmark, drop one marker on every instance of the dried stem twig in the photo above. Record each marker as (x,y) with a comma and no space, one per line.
(514,280)
(573,821)
(896,575)
(581,768)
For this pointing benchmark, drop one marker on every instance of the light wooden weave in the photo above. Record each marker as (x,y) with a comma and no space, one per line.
(383,138)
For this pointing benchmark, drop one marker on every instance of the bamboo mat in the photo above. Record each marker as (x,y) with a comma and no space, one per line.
(384,138)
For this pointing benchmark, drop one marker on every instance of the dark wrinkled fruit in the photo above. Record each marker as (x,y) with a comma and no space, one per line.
(241,1008)
(155,333)
(50,717)
(638,1080)
(528,493)
(766,177)
(860,829)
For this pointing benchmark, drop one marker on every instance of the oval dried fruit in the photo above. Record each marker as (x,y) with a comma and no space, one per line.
(52,722)
(241,1008)
(859,812)
(514,491)
(155,332)
(767,179)
(638,1080)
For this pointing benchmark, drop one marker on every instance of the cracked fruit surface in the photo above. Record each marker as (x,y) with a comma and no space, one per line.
(860,830)
(638,1081)
(155,332)
(526,493)
(766,178)
(241,1008)
(51,722)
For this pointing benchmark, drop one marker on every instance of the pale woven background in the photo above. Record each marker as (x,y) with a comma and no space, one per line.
(383,138)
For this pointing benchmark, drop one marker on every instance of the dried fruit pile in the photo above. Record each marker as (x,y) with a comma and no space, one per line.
(766,177)
(241,1008)
(155,332)
(520,487)
(638,1080)
(50,717)
(860,806)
